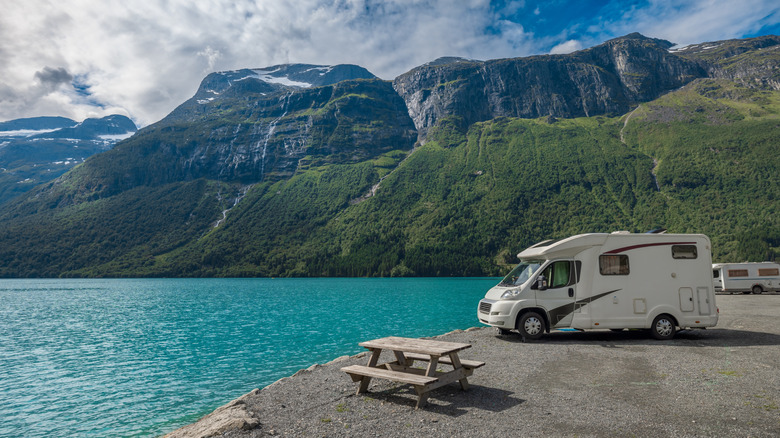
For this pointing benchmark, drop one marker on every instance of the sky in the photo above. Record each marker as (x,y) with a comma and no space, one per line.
(142,58)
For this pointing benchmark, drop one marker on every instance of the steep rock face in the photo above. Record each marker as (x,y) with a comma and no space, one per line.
(753,62)
(606,79)
(346,122)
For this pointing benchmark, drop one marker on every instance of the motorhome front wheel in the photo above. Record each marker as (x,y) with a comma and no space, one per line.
(531,326)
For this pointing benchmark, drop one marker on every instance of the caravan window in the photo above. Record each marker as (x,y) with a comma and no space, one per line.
(738,273)
(684,252)
(613,264)
(560,274)
(768,272)
(716,273)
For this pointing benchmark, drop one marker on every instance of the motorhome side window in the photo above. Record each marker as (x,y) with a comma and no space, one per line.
(738,273)
(684,252)
(613,264)
(769,272)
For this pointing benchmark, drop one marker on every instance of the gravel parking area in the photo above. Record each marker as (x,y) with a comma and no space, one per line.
(723,381)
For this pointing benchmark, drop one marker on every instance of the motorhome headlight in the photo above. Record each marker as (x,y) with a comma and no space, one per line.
(511,294)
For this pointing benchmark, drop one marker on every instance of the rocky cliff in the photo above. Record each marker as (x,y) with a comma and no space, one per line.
(607,79)
(753,62)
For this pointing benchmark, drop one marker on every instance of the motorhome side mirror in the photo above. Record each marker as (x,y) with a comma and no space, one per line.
(541,283)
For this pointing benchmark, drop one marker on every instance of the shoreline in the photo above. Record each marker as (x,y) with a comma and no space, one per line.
(232,415)
(720,381)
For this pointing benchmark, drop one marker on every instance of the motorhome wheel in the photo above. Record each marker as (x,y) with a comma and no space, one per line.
(531,326)
(757,289)
(663,327)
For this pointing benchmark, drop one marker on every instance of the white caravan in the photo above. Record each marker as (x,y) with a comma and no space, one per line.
(746,277)
(607,281)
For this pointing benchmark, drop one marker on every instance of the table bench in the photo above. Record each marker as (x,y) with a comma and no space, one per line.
(407,351)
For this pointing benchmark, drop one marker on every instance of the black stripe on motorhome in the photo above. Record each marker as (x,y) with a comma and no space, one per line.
(561,312)
(644,245)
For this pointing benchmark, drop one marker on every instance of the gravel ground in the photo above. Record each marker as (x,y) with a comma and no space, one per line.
(724,381)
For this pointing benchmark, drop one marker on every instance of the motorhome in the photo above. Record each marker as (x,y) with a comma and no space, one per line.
(617,281)
(745,278)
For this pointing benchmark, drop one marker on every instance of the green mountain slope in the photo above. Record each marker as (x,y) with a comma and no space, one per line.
(466,202)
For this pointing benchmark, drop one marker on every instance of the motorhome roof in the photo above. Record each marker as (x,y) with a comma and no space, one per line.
(571,246)
(567,247)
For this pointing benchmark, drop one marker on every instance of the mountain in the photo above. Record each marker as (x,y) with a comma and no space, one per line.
(251,129)
(753,62)
(35,124)
(40,149)
(611,78)
(450,169)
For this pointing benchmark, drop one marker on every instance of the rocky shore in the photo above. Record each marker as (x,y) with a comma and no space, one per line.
(723,381)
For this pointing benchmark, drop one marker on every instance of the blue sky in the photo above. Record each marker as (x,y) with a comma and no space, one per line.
(91,58)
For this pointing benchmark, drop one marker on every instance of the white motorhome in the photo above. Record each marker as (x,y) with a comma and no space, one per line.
(746,277)
(607,281)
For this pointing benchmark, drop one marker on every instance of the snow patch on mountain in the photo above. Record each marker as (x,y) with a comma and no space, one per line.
(268,76)
(117,137)
(25,132)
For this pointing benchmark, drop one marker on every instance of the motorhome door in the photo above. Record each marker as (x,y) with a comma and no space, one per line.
(560,292)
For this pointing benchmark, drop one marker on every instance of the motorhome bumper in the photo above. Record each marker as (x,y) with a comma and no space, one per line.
(496,313)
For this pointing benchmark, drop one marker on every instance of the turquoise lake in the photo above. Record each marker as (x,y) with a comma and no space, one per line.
(141,357)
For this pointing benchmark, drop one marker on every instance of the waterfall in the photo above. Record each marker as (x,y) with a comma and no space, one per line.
(271,128)
(239,196)
(652,172)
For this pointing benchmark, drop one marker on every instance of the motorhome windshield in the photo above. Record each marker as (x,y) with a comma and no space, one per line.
(521,273)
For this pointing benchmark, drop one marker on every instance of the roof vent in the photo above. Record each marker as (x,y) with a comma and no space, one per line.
(621,232)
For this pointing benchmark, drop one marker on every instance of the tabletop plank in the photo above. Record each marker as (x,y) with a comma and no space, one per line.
(414,345)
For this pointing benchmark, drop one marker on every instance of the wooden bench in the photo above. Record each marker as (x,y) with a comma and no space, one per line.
(358,371)
(406,351)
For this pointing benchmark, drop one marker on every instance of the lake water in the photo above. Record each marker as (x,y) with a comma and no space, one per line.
(142,357)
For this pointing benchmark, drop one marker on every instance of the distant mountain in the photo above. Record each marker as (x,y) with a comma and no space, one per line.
(36,124)
(39,149)
(450,169)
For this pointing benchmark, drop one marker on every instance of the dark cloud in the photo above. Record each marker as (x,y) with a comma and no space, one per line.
(53,77)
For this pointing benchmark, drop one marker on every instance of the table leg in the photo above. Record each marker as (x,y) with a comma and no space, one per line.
(372,361)
(422,397)
(464,383)
(431,371)
(399,356)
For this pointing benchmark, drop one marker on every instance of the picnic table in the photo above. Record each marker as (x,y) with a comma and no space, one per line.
(406,352)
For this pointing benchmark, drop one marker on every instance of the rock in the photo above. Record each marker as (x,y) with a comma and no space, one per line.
(232,416)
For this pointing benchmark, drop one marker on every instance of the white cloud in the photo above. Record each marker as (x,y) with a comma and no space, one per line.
(566,47)
(144,58)
(687,22)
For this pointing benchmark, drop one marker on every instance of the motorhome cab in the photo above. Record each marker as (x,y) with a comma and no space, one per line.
(607,281)
(746,277)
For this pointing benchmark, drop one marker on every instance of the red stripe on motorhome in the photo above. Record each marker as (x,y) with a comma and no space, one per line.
(627,248)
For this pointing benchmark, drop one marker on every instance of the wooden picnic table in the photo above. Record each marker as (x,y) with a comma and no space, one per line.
(406,352)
